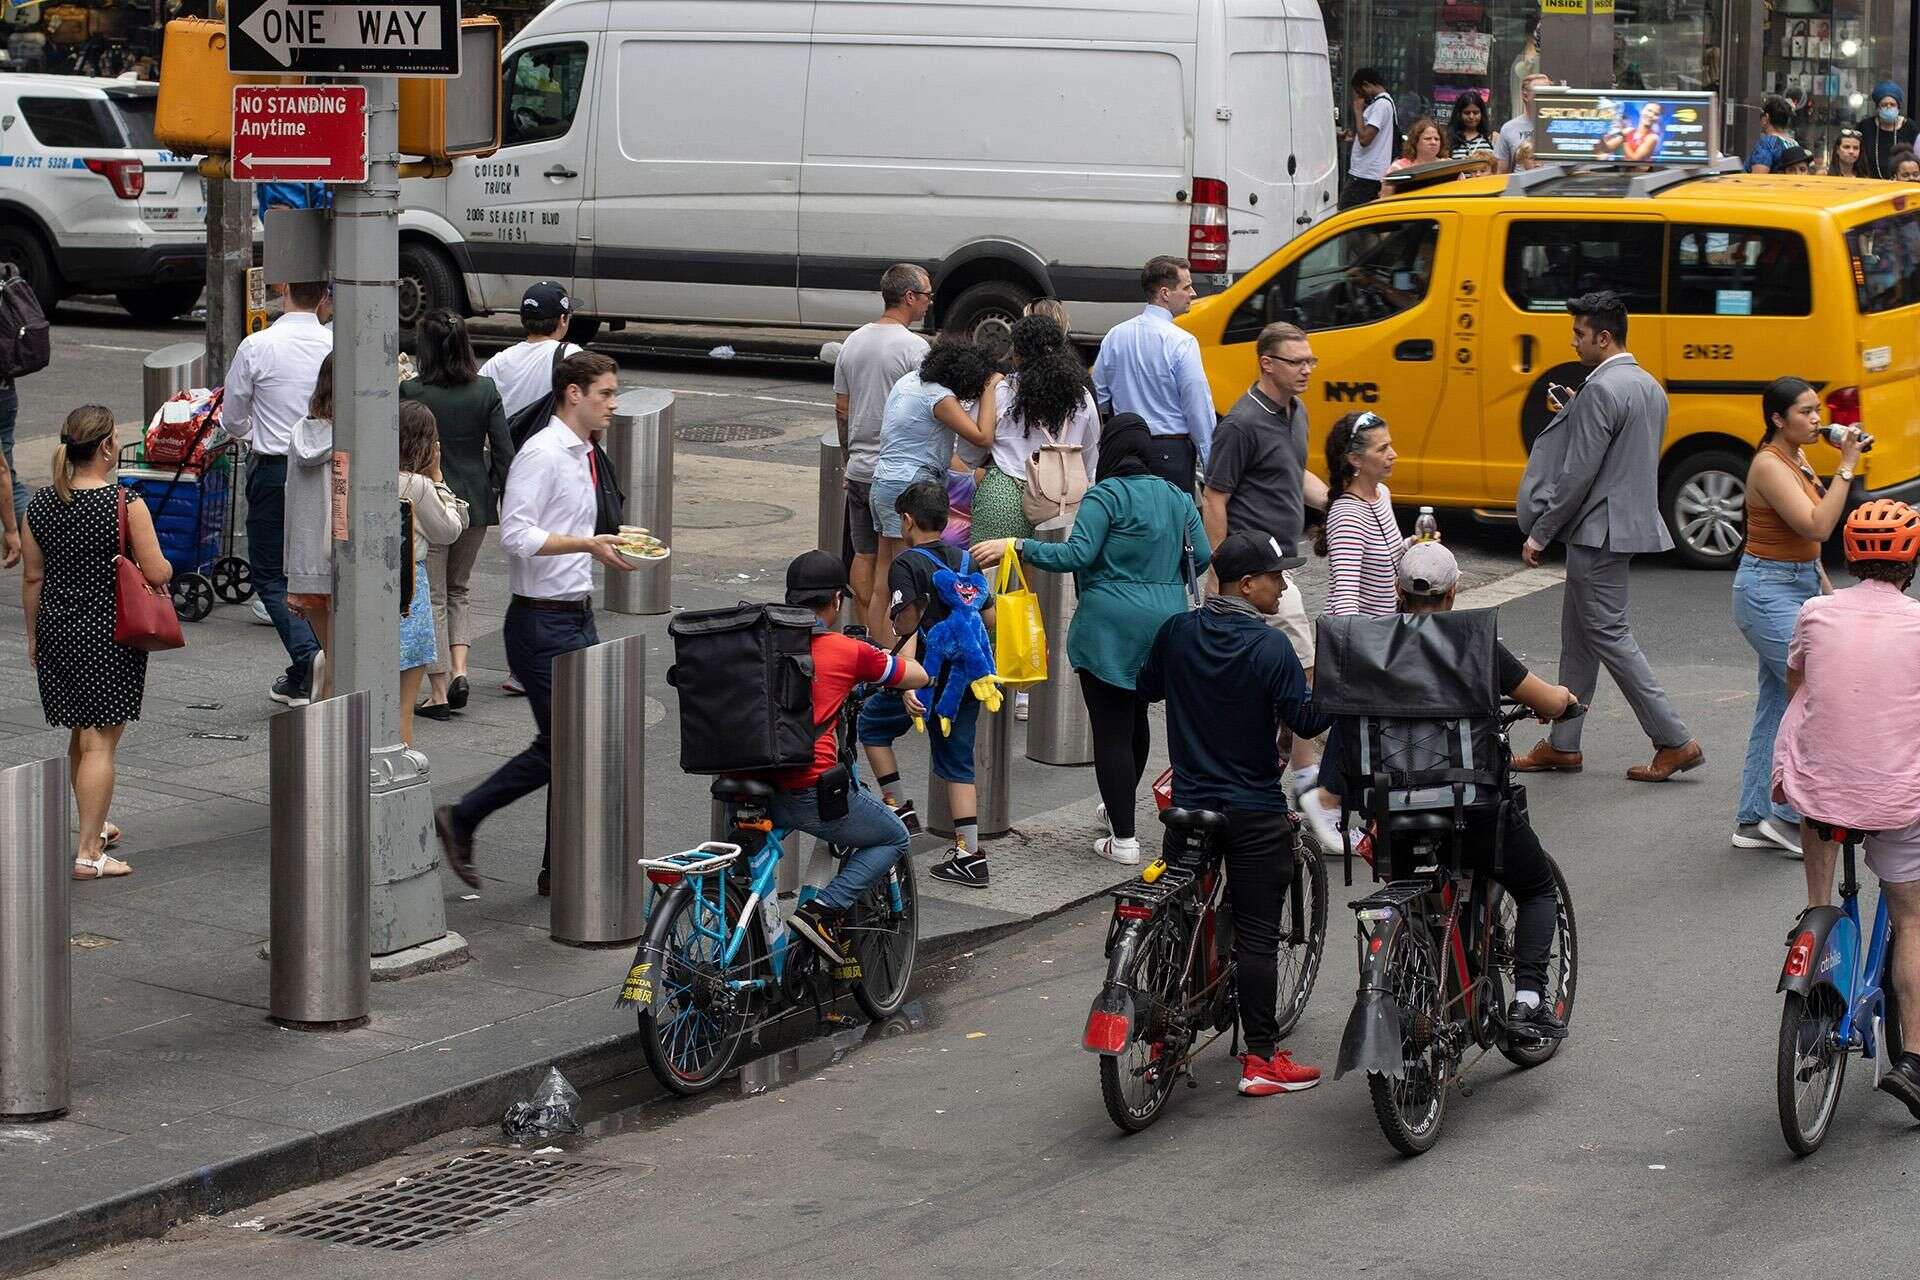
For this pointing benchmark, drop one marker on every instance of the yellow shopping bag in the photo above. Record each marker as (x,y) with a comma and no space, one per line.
(1019,638)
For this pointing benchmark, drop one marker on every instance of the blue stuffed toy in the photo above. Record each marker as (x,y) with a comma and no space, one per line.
(958,643)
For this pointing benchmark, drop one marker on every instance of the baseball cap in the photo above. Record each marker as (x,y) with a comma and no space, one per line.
(545,300)
(1241,555)
(1428,569)
(813,577)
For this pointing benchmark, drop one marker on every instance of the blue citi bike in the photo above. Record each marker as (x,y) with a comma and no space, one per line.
(1838,1003)
(718,962)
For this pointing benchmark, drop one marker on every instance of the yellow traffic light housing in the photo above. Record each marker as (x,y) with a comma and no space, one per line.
(195,113)
(446,119)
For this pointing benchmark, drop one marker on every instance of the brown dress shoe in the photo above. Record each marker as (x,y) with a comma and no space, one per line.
(1668,761)
(1546,758)
(459,851)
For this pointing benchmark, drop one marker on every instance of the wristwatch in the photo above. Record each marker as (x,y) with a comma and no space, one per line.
(1844,473)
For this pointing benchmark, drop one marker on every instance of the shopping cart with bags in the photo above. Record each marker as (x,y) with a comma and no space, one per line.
(187,472)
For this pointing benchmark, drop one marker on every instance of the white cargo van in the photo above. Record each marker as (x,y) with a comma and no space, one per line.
(763,161)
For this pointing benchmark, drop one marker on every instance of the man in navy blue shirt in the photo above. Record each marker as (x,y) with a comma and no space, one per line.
(1222,733)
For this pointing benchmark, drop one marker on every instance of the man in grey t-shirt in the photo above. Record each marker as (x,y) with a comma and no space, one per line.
(1517,132)
(873,358)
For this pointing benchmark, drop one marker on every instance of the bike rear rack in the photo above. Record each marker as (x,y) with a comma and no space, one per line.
(714,855)
(1155,895)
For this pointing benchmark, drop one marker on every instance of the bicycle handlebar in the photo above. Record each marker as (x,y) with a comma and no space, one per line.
(1518,711)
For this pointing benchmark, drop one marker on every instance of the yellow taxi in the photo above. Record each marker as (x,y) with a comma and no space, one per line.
(1442,307)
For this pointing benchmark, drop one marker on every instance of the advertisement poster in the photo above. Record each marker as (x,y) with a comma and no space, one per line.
(1461,53)
(1624,125)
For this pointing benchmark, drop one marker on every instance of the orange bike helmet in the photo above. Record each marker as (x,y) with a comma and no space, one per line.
(1883,530)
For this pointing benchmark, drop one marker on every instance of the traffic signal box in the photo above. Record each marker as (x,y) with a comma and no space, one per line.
(439,119)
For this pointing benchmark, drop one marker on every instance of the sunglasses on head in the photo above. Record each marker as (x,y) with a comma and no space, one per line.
(1368,421)
(1850,133)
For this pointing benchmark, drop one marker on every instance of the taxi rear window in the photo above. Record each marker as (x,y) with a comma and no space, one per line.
(1886,263)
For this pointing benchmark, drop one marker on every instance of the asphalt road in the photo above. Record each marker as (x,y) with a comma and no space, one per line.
(975,1143)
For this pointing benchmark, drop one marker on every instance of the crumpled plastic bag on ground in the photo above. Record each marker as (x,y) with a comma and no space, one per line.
(548,1114)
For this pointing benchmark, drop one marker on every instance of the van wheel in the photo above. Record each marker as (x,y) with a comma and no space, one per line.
(20,248)
(1704,502)
(160,303)
(427,283)
(987,310)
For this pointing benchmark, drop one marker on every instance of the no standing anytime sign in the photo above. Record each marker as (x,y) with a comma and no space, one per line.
(316,133)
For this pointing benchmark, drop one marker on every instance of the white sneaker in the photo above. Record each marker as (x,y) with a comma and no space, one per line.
(1110,848)
(1100,816)
(261,618)
(1781,835)
(1321,820)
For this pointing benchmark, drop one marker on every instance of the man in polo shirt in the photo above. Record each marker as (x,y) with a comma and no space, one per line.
(546,530)
(1257,481)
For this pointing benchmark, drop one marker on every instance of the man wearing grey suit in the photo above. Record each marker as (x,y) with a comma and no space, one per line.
(1592,482)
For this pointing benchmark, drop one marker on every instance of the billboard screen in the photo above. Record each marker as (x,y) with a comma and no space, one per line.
(1630,126)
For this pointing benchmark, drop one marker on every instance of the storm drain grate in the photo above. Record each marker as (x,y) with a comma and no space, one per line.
(727,433)
(437,1204)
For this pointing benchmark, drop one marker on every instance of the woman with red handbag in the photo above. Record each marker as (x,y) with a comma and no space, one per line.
(95,595)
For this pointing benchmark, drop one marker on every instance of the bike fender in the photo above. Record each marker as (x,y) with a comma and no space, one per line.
(1110,1021)
(1822,950)
(641,988)
(1372,1040)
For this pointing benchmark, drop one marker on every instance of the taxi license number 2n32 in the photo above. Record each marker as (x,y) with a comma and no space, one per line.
(1708,351)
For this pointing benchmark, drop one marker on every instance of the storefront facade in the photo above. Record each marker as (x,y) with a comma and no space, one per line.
(1825,55)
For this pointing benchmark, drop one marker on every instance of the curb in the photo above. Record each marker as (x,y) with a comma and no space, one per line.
(217,1189)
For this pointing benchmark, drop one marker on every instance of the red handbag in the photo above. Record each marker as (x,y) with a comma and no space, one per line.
(143,614)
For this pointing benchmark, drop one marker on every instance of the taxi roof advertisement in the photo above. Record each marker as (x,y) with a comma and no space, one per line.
(1631,126)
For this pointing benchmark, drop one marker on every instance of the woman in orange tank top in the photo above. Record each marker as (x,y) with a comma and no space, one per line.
(1789,515)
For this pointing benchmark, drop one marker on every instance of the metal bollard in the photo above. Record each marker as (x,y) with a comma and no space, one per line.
(992,778)
(833,497)
(180,367)
(1058,731)
(640,445)
(36,878)
(599,793)
(320,883)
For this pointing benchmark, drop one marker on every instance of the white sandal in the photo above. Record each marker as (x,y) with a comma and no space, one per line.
(110,836)
(99,868)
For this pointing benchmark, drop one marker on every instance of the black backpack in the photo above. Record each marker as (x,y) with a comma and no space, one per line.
(26,342)
(1416,702)
(1399,138)
(745,678)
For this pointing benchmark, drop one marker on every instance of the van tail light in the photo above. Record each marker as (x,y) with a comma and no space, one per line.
(1843,406)
(129,177)
(1800,955)
(1207,227)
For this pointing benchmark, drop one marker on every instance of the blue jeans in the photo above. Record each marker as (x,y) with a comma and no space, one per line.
(10,410)
(875,834)
(1767,595)
(266,557)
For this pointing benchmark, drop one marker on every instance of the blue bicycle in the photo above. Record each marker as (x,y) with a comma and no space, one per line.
(1837,1004)
(718,961)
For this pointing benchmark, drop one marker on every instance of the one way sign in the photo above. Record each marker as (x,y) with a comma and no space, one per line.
(361,38)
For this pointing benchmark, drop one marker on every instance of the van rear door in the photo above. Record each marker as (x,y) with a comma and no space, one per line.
(1280,131)
(1884,249)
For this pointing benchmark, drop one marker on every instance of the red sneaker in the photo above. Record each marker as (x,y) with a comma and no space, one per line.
(1262,1078)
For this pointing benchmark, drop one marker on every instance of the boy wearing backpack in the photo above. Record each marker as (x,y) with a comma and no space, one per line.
(915,607)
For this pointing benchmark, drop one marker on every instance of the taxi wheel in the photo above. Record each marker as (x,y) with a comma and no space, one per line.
(1704,499)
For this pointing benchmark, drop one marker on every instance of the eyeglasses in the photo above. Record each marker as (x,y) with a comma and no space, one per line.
(1309,363)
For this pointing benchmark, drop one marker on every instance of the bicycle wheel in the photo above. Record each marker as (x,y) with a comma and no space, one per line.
(694,1039)
(1300,959)
(884,941)
(1563,967)
(1810,1069)
(1136,1082)
(1411,1107)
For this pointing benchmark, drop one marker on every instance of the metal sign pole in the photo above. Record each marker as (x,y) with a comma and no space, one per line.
(406,909)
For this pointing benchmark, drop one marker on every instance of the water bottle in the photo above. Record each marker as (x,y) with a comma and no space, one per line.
(1426,528)
(1837,437)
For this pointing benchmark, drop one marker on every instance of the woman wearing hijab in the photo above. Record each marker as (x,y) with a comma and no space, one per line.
(1129,554)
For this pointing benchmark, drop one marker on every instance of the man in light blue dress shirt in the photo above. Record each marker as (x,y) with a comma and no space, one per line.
(1149,366)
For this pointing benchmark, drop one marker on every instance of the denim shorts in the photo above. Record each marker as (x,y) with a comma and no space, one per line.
(883,494)
(884,720)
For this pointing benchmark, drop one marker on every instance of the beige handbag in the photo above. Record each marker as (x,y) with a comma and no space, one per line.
(1056,481)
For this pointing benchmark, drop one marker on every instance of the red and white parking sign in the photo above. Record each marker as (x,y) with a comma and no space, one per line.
(313,133)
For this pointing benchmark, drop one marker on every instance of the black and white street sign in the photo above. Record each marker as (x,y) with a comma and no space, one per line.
(361,38)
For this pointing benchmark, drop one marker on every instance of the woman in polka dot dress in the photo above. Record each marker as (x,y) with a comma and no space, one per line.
(88,683)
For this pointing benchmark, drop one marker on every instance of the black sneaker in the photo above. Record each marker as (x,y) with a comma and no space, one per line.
(1902,1080)
(963,868)
(908,818)
(1533,1024)
(821,927)
(287,693)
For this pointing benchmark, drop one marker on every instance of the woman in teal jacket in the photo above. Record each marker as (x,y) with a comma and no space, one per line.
(1127,553)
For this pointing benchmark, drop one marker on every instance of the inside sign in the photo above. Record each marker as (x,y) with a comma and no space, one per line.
(332,37)
(310,133)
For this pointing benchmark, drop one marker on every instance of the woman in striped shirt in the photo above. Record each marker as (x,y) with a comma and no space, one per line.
(1361,539)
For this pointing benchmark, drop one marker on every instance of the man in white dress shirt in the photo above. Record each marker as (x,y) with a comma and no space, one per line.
(546,529)
(1151,367)
(524,371)
(268,386)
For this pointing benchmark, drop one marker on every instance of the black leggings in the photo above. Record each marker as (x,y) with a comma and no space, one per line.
(1119,719)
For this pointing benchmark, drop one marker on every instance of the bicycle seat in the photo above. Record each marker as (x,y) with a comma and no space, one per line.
(1195,820)
(1838,834)
(738,789)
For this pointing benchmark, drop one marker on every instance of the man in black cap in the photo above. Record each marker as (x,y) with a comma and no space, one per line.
(1222,735)
(821,798)
(524,371)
